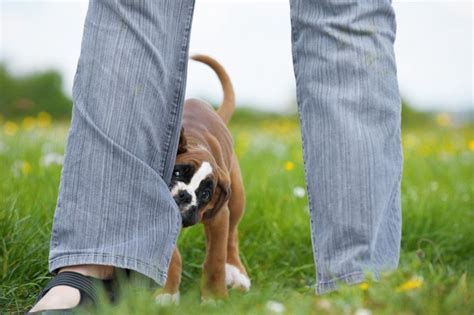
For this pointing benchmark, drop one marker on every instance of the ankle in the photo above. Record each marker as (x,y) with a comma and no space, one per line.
(97,271)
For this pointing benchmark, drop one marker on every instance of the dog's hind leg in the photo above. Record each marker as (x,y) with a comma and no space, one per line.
(170,292)
(236,275)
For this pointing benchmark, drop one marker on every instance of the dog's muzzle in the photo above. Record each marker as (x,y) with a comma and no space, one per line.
(189,216)
(182,198)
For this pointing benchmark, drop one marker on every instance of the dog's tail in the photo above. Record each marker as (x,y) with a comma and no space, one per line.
(227,107)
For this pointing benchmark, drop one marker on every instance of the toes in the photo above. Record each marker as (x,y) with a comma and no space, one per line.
(211,302)
(165,299)
(59,297)
(235,278)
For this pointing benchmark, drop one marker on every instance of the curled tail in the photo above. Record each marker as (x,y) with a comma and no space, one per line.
(227,107)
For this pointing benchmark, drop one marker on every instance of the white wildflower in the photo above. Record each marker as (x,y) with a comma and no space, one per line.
(299,192)
(52,158)
(275,307)
(363,311)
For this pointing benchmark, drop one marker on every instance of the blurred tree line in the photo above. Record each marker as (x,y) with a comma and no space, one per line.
(43,92)
(33,93)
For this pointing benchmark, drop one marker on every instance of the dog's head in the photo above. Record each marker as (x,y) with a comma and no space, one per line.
(199,186)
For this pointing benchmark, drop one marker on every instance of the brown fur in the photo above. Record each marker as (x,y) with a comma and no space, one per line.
(205,137)
(227,107)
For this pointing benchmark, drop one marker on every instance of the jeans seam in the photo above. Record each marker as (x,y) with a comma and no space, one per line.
(339,278)
(294,31)
(178,95)
(104,255)
(348,279)
(393,194)
(175,114)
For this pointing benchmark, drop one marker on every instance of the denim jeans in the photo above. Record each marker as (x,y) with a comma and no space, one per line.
(114,205)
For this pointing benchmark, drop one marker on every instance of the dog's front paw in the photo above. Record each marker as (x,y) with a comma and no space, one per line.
(234,278)
(166,299)
(211,302)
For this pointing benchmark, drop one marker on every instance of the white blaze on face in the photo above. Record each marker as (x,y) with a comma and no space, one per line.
(204,170)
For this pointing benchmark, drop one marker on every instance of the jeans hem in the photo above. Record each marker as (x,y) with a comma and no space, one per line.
(334,284)
(123,262)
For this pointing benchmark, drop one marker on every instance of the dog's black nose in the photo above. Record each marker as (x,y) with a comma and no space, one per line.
(184,197)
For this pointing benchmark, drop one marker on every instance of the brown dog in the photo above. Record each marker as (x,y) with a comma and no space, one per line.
(208,188)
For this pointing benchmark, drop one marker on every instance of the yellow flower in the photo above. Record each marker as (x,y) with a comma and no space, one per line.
(44,119)
(364,286)
(25,168)
(471,145)
(411,141)
(28,123)
(425,150)
(289,165)
(10,128)
(444,120)
(412,284)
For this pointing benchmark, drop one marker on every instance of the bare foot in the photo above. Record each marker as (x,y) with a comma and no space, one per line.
(58,298)
(63,297)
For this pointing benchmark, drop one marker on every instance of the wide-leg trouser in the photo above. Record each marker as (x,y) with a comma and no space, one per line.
(114,206)
(349,108)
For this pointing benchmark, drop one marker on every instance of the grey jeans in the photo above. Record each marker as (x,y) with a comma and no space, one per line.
(114,205)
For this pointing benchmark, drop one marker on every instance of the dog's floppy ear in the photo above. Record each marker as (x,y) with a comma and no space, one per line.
(222,194)
(183,144)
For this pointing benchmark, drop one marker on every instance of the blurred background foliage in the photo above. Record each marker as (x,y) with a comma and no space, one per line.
(36,92)
(32,93)
(42,92)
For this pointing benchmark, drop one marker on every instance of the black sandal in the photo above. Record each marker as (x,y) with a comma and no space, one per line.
(88,288)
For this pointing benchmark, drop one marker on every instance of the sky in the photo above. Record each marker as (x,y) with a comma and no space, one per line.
(251,38)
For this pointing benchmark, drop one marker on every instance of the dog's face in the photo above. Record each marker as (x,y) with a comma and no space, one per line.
(198,184)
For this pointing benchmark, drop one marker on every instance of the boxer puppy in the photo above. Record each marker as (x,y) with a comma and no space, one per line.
(207,187)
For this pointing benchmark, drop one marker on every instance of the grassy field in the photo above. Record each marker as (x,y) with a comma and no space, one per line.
(437,263)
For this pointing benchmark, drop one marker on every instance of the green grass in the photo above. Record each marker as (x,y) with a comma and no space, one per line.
(437,243)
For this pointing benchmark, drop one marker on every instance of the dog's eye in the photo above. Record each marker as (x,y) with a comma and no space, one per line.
(205,195)
(187,171)
(176,173)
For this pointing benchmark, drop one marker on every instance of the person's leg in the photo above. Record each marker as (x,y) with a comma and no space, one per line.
(349,107)
(114,206)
